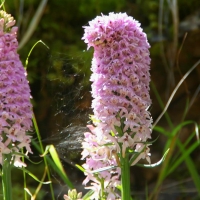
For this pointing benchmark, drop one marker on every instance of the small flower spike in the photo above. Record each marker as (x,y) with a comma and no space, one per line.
(15,106)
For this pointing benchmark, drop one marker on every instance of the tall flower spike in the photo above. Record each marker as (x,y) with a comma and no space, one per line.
(15,106)
(120,88)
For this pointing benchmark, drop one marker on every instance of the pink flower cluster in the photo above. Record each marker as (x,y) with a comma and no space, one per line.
(120,88)
(15,106)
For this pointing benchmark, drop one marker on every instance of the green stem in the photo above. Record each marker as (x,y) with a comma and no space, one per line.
(125,178)
(45,160)
(102,191)
(2,5)
(6,177)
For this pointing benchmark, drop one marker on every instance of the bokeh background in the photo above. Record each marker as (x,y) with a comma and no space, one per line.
(59,76)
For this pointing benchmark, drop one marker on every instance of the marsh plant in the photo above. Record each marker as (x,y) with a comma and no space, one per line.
(120,90)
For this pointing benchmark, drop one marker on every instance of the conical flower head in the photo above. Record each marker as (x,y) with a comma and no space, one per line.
(15,106)
(120,76)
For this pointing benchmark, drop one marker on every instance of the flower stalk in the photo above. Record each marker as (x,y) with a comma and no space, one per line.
(120,91)
(125,177)
(6,177)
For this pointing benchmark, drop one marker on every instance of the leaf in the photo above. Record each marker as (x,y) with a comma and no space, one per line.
(155,164)
(119,130)
(59,166)
(80,168)
(88,195)
(33,176)
(103,169)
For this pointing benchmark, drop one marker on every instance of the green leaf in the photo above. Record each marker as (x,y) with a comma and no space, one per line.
(88,195)
(33,176)
(161,130)
(119,130)
(155,164)
(80,168)
(58,164)
(190,164)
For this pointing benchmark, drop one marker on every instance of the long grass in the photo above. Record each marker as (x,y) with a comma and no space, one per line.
(173,142)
